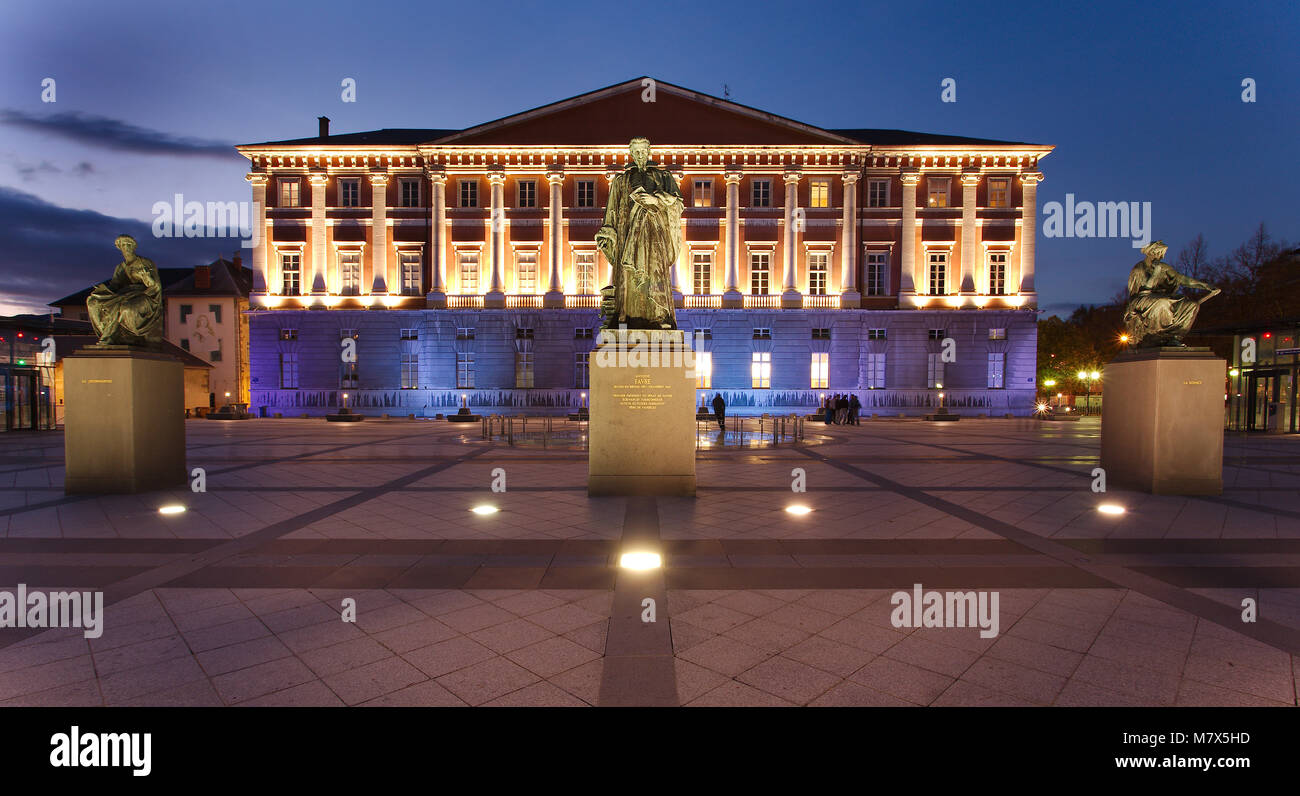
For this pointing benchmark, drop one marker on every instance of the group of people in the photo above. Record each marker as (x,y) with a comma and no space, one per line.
(841,410)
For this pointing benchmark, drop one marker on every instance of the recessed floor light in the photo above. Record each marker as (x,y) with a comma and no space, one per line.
(640,561)
(800,510)
(1110,508)
(485,509)
(172,509)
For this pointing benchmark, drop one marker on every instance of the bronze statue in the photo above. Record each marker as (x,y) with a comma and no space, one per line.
(640,237)
(1157,314)
(128,309)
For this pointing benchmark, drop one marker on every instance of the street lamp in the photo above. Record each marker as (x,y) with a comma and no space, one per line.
(1088,377)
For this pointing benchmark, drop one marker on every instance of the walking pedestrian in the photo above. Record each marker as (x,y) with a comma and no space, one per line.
(720,411)
(842,410)
(855,407)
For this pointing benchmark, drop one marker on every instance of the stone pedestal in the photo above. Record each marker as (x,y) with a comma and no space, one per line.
(1162,421)
(642,428)
(124,421)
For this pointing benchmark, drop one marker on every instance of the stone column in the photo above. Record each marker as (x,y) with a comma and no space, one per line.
(437,296)
(383,283)
(850,297)
(495,296)
(967,273)
(678,301)
(791,298)
(555,287)
(731,296)
(318,285)
(1028,232)
(909,278)
(260,236)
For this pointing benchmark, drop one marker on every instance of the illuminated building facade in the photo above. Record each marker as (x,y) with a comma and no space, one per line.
(884,263)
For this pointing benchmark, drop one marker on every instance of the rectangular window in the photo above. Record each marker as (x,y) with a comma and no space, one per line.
(215,311)
(464,332)
(763,333)
(289,269)
(528,193)
(938,191)
(214,355)
(821,369)
(468,272)
(819,193)
(581,372)
(523,333)
(999,192)
(288,370)
(464,370)
(938,273)
(703,193)
(586,333)
(350,273)
(290,192)
(760,266)
(817,263)
(702,265)
(469,193)
(821,334)
(876,371)
(584,266)
(349,192)
(409,334)
(997,273)
(877,334)
(934,371)
(526,271)
(288,334)
(703,370)
(997,367)
(346,333)
(185,343)
(348,376)
(877,273)
(762,193)
(523,369)
(760,370)
(938,334)
(186,311)
(878,192)
(410,193)
(410,371)
(997,334)
(586,196)
(410,273)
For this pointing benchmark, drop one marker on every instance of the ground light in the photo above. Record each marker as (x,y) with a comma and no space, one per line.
(1110,508)
(798,509)
(171,509)
(485,509)
(640,560)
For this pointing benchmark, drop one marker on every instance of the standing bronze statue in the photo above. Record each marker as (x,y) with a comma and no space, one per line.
(1157,313)
(641,236)
(128,309)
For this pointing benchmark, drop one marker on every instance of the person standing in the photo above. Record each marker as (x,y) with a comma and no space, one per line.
(828,409)
(842,410)
(720,411)
(855,407)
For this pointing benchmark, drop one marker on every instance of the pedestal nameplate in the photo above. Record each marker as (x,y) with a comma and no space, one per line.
(1162,421)
(124,421)
(642,428)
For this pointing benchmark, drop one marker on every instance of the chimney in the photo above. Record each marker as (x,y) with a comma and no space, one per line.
(324,126)
(238,261)
(203,277)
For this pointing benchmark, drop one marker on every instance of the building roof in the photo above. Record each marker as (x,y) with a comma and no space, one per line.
(167,276)
(614,114)
(44,323)
(225,279)
(65,344)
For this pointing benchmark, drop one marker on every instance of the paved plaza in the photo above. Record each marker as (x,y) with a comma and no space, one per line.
(238,600)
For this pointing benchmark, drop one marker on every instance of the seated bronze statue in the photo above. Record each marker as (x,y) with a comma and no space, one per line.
(1157,313)
(128,309)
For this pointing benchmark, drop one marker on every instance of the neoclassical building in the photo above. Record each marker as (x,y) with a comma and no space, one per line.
(411,267)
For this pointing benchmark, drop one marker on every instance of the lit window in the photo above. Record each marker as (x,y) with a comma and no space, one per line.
(410,371)
(997,334)
(938,188)
(817,264)
(877,266)
(821,368)
(584,266)
(290,192)
(703,193)
(290,265)
(997,273)
(760,370)
(760,264)
(350,273)
(999,192)
(703,269)
(704,369)
(469,272)
(819,193)
(938,273)
(523,369)
(526,271)
(410,273)
(876,371)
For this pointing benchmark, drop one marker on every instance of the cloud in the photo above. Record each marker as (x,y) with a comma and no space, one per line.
(115,134)
(83,169)
(51,251)
(29,171)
